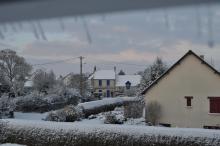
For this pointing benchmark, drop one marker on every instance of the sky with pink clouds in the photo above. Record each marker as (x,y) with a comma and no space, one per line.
(129,40)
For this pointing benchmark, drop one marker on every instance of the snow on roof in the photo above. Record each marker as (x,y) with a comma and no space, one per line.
(133,79)
(28,84)
(103,74)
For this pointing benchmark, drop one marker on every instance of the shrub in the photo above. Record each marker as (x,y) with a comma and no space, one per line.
(43,103)
(153,112)
(111,118)
(67,114)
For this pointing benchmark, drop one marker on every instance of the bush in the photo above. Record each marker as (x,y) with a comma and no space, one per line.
(153,112)
(67,114)
(113,118)
(43,103)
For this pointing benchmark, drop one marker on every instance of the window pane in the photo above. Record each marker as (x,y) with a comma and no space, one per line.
(215,105)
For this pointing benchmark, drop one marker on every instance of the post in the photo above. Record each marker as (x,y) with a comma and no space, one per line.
(81,79)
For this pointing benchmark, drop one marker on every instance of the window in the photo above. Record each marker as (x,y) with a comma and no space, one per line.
(128,85)
(214,104)
(100,82)
(165,124)
(108,82)
(211,127)
(100,93)
(188,101)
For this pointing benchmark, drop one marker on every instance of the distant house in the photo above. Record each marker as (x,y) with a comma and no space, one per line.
(189,94)
(103,83)
(127,84)
(106,83)
(28,86)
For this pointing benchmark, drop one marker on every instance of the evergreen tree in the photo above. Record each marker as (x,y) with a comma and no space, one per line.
(121,72)
(153,72)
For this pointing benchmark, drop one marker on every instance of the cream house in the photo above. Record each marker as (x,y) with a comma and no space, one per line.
(189,94)
(103,83)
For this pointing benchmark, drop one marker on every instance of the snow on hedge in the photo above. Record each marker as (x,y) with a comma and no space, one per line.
(84,110)
(104,105)
(106,101)
(74,134)
(10,144)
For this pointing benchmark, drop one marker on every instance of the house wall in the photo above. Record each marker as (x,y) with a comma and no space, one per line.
(104,86)
(121,90)
(189,78)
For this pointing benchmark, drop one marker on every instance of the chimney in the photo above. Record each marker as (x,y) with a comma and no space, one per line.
(94,70)
(115,69)
(202,57)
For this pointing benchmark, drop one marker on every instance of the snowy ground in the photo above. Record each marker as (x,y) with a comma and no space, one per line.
(30,116)
(93,119)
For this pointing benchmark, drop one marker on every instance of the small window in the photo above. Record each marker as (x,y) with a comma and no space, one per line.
(188,101)
(100,82)
(211,127)
(214,104)
(108,82)
(100,92)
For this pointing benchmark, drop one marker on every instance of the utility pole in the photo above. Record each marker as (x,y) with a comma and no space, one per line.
(81,75)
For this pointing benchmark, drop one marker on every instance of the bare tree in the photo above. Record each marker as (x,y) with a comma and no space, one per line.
(14,69)
(153,112)
(43,81)
(74,82)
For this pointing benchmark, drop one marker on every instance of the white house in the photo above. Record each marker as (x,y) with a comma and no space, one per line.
(107,83)
(189,94)
(127,84)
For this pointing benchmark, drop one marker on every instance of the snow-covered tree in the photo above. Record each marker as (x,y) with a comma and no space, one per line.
(14,69)
(153,72)
(43,81)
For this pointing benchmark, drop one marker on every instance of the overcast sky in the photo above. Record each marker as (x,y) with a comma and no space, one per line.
(128,40)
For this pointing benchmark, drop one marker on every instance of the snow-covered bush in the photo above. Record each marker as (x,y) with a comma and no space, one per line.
(6,107)
(111,118)
(43,133)
(42,103)
(3,124)
(67,114)
(104,105)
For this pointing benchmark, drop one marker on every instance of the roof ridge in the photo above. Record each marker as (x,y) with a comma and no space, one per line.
(175,64)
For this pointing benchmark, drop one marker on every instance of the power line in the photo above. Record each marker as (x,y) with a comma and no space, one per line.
(118,63)
(54,62)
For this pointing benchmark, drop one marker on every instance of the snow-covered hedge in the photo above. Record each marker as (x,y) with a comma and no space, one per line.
(104,105)
(84,110)
(41,133)
(43,103)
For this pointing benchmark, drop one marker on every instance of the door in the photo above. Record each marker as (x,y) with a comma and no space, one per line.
(108,93)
